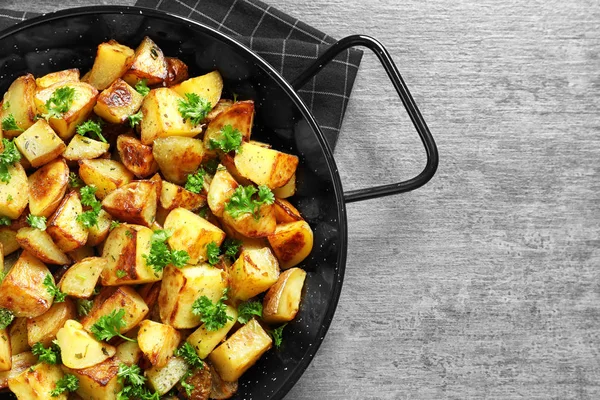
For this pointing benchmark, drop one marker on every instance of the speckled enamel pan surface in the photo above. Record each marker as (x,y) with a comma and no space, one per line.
(69,38)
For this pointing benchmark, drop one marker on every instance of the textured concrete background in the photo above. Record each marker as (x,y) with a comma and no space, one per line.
(485,284)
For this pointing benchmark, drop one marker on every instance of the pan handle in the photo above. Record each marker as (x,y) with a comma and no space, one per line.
(409,104)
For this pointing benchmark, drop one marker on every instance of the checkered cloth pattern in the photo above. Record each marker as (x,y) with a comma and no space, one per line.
(288,44)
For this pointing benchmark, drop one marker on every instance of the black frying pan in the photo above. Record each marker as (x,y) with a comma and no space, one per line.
(69,38)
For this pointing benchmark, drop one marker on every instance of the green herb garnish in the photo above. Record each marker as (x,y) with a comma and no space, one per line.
(50,355)
(36,222)
(51,287)
(91,126)
(9,156)
(212,253)
(249,309)
(6,317)
(277,335)
(109,326)
(187,352)
(194,108)
(135,119)
(213,315)
(160,255)
(142,87)
(195,182)
(242,201)
(231,140)
(68,383)
(10,124)
(60,102)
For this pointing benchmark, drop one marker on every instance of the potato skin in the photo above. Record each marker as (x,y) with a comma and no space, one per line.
(19,99)
(47,187)
(282,301)
(136,156)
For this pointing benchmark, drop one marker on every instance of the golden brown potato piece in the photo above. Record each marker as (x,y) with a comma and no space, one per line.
(79,349)
(161,117)
(282,301)
(148,63)
(265,166)
(22,291)
(221,188)
(204,341)
(14,195)
(66,232)
(208,87)
(36,382)
(192,233)
(287,190)
(239,116)
(19,101)
(238,353)
(80,280)
(43,329)
(178,157)
(173,196)
(129,352)
(255,271)
(158,342)
(134,202)
(81,253)
(124,250)
(84,148)
(177,71)
(221,106)
(47,187)
(292,242)
(40,244)
(115,298)
(100,381)
(137,157)
(201,381)
(182,286)
(112,61)
(5,351)
(105,175)
(97,234)
(249,225)
(163,379)
(18,336)
(118,102)
(84,99)
(20,362)
(67,75)
(285,211)
(39,144)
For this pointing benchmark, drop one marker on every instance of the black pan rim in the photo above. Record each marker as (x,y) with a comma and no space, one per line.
(333,171)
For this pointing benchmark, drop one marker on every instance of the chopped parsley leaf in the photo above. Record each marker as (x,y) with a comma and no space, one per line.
(36,222)
(231,140)
(194,108)
(93,127)
(213,315)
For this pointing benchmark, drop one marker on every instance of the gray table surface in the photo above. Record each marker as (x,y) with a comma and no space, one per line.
(485,283)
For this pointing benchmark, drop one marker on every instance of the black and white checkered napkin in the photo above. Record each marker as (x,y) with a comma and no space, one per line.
(286,43)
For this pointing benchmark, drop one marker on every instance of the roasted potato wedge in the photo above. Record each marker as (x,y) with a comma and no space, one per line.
(105,175)
(177,71)
(37,382)
(81,278)
(79,349)
(291,242)
(173,196)
(22,291)
(136,157)
(134,202)
(182,286)
(19,102)
(255,271)
(18,336)
(162,379)
(118,102)
(285,211)
(161,117)
(239,116)
(148,63)
(192,233)
(112,61)
(39,243)
(221,188)
(84,148)
(238,353)
(265,166)
(282,301)
(254,226)
(67,75)
(14,195)
(287,190)
(5,351)
(204,341)
(63,227)
(47,187)
(20,362)
(178,157)
(99,381)
(39,144)
(158,342)
(84,97)
(208,87)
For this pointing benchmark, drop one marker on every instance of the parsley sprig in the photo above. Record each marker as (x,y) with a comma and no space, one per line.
(51,287)
(243,200)
(133,384)
(74,180)
(89,218)
(68,383)
(249,309)
(135,119)
(195,182)
(160,255)
(36,221)
(212,253)
(188,387)
(91,126)
(50,355)
(231,248)
(10,124)
(277,335)
(194,108)
(9,156)
(6,318)
(213,315)
(109,326)
(84,306)
(60,102)
(231,140)
(187,352)
(142,87)
(5,221)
